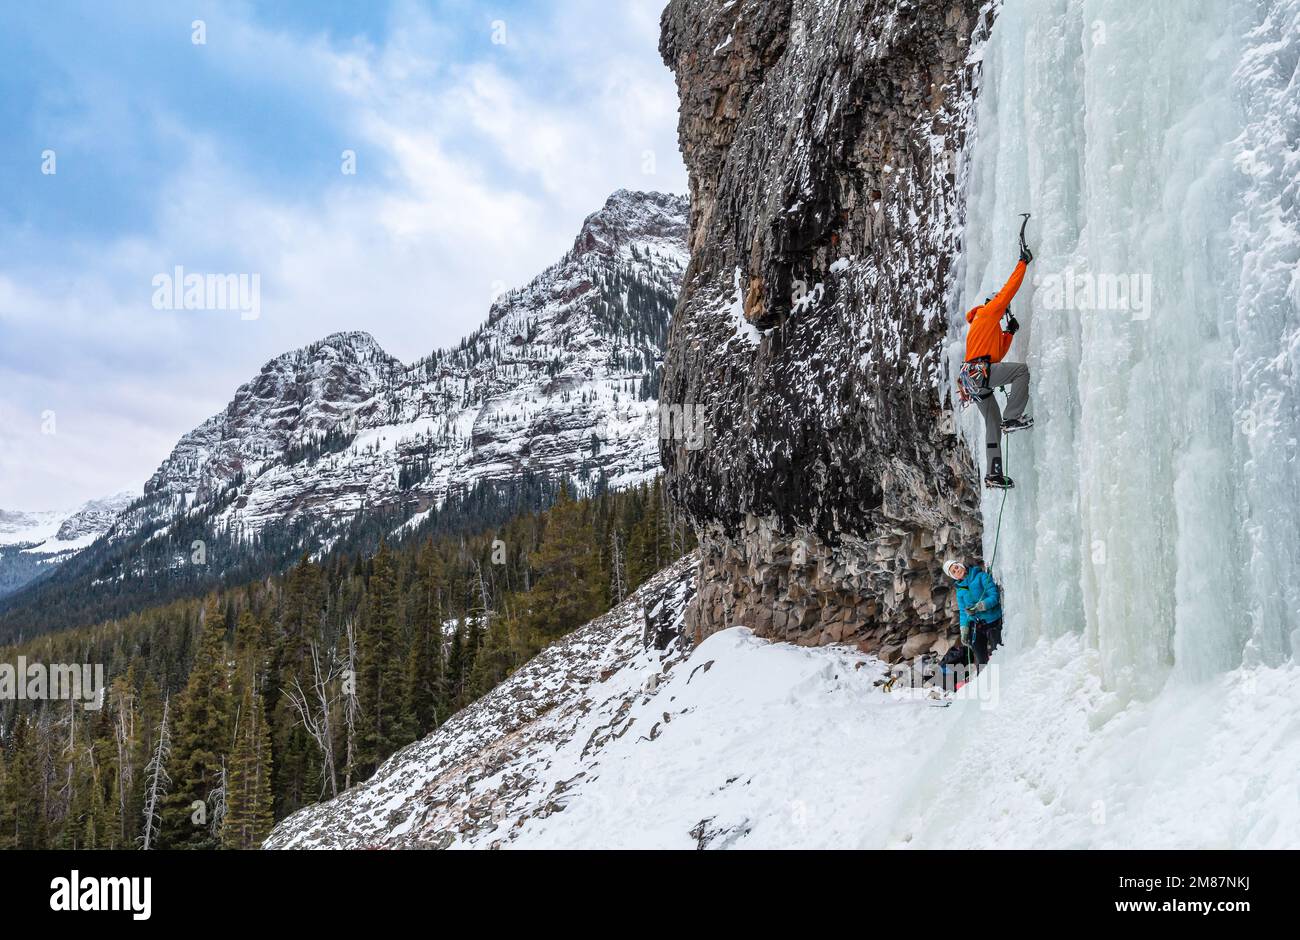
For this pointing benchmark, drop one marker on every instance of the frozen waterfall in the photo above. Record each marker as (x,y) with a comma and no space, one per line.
(1157,501)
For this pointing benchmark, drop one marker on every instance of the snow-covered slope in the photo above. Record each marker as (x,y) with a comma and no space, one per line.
(605,741)
(27,528)
(516,751)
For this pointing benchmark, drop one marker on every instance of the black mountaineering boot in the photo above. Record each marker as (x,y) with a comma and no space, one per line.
(1017,424)
(996,480)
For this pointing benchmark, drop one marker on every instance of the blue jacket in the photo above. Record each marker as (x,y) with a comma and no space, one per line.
(975,587)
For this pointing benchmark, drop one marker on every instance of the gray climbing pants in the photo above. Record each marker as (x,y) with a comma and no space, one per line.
(1016,375)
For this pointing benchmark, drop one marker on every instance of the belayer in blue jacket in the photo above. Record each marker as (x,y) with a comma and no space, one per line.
(980,608)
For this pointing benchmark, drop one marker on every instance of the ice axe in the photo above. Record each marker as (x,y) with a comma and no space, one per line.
(1026,256)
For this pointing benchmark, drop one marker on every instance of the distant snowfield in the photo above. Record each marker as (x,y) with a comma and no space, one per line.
(27,528)
(745,743)
(51,537)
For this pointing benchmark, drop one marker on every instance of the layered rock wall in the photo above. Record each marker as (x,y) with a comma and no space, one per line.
(824,141)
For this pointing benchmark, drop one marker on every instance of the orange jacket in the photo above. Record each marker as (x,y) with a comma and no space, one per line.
(985,336)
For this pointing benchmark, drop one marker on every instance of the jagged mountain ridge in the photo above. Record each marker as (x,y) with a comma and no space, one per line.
(561,380)
(526,391)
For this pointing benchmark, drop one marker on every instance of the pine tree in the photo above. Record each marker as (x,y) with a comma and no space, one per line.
(126,745)
(420,691)
(101,823)
(495,659)
(249,802)
(302,604)
(424,667)
(29,830)
(379,685)
(96,828)
(456,666)
(201,740)
(8,805)
(649,549)
(569,586)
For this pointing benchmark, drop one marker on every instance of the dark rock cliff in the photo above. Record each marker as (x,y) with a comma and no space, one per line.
(824,142)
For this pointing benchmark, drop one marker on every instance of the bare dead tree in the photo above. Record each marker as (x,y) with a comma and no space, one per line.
(46,728)
(485,602)
(123,736)
(314,710)
(351,706)
(68,755)
(618,572)
(157,783)
(217,799)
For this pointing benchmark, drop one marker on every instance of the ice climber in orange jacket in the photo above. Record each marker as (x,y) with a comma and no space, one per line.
(986,345)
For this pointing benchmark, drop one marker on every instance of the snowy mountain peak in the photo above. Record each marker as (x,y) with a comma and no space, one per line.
(95,517)
(89,519)
(349,347)
(356,344)
(296,396)
(631,216)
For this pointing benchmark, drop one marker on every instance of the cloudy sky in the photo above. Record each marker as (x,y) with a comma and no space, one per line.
(483,133)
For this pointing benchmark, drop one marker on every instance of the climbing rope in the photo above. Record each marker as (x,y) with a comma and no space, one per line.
(997,534)
(1006,469)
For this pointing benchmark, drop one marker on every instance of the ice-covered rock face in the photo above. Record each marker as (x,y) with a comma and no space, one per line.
(558,381)
(824,142)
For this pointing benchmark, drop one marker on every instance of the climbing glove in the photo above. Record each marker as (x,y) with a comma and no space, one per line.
(1025,254)
(977,607)
(965,636)
(1012,324)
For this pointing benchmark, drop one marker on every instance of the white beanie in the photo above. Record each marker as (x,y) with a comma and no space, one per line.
(949,565)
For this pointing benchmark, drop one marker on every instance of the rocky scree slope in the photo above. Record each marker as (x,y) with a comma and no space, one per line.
(824,141)
(511,759)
